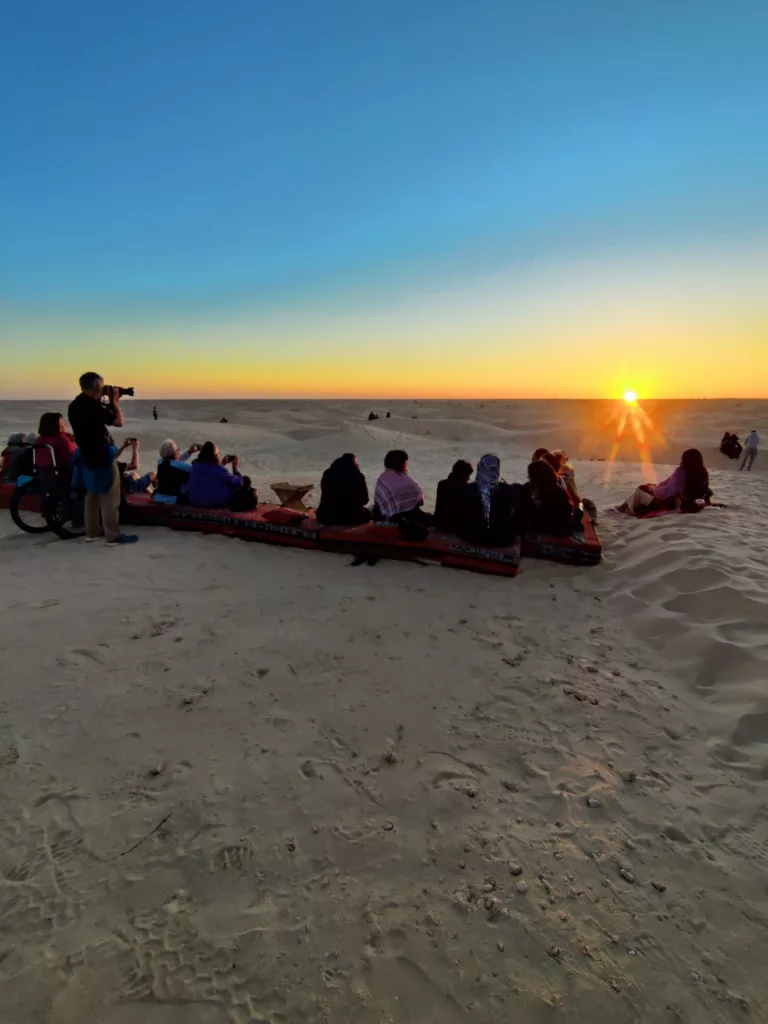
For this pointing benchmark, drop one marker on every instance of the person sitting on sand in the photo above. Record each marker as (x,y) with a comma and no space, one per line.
(52,432)
(343,494)
(730,446)
(451,498)
(544,506)
(397,494)
(211,486)
(133,483)
(173,469)
(682,489)
(488,507)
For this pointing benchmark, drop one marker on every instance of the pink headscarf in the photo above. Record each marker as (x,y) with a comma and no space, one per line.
(397,492)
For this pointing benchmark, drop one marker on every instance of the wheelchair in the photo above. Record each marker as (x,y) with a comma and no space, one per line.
(44,500)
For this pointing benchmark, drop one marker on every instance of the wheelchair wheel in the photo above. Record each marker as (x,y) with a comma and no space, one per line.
(27,509)
(64,515)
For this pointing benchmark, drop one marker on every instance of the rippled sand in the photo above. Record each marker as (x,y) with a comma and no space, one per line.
(390,794)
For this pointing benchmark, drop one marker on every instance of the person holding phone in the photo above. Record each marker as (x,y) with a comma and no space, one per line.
(211,486)
(173,470)
(133,482)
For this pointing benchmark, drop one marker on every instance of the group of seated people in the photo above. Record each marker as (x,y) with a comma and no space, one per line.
(204,482)
(486,511)
(731,446)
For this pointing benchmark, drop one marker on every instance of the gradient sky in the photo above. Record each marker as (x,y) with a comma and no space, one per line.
(256,199)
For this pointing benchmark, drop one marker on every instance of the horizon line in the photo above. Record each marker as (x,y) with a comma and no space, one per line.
(416,398)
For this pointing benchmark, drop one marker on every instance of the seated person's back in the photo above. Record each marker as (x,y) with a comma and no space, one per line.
(52,432)
(488,506)
(397,493)
(343,494)
(451,498)
(173,472)
(210,485)
(544,505)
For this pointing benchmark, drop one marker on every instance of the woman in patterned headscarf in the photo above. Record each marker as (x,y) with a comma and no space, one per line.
(490,503)
(488,478)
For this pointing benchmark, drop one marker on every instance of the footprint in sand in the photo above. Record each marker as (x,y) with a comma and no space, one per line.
(443,770)
(238,857)
(150,669)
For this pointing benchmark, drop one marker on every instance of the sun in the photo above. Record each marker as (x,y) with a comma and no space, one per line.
(630,397)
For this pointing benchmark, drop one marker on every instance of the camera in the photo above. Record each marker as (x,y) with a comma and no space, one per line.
(111,390)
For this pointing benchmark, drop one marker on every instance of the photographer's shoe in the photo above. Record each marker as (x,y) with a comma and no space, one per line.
(125,538)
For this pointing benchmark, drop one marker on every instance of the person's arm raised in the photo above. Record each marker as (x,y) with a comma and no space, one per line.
(118,421)
(134,463)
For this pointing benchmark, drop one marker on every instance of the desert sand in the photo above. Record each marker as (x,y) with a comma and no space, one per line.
(395,794)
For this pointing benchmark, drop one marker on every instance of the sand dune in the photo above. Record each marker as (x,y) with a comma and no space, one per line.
(390,794)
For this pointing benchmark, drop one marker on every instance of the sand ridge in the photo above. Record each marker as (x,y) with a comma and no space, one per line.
(393,796)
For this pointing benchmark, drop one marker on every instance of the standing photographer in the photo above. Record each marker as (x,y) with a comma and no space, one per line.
(95,462)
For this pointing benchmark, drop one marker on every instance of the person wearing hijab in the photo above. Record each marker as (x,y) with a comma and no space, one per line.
(683,489)
(488,507)
(450,497)
(544,506)
(397,495)
(343,494)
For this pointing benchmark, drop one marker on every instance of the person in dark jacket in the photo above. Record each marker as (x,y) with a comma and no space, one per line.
(544,506)
(173,469)
(211,486)
(451,498)
(343,494)
(488,507)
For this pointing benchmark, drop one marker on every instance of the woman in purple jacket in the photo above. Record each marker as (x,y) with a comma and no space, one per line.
(683,489)
(211,486)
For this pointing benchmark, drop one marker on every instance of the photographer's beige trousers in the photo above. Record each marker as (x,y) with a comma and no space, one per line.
(105,506)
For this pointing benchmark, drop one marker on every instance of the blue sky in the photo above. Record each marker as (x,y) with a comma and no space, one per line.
(306,162)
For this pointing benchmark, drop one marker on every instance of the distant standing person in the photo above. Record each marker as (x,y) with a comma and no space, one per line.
(750,450)
(154,411)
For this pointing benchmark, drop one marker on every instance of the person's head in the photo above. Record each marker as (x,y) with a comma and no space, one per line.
(51,424)
(489,469)
(542,478)
(92,384)
(345,466)
(396,460)
(554,460)
(209,453)
(462,471)
(696,475)
(560,455)
(169,450)
(540,453)
(692,460)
